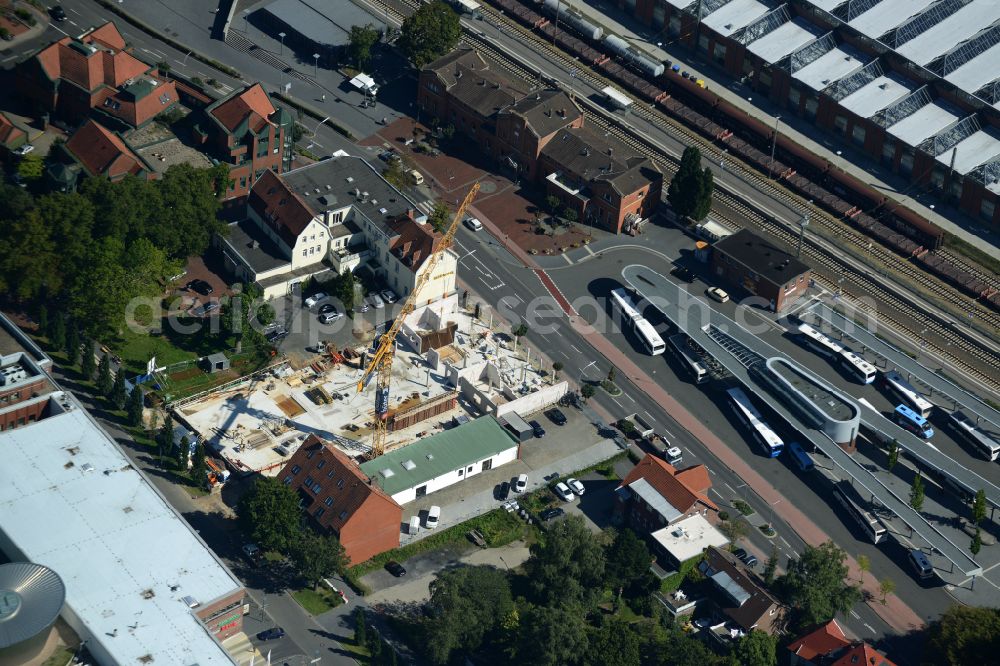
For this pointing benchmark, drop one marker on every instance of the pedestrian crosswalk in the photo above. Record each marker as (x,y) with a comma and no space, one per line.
(426,206)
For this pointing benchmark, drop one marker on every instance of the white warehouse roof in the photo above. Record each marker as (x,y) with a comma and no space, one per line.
(830,67)
(72,501)
(979,71)
(886,15)
(927,121)
(972,151)
(874,96)
(955,29)
(783,40)
(735,15)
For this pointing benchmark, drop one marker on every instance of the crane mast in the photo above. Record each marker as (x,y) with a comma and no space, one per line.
(381,363)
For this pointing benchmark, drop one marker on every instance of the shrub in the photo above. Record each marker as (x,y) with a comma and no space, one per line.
(723,515)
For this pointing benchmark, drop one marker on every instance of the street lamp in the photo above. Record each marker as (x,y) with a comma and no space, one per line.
(803,223)
(774,144)
(282,35)
(498,24)
(315,64)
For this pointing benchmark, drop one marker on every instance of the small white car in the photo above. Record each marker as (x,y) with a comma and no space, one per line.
(389,296)
(521,484)
(25,149)
(575,486)
(473,224)
(315,298)
(433,516)
(376,301)
(717,294)
(328,317)
(565,494)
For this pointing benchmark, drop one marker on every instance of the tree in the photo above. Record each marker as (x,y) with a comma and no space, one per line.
(31,167)
(199,468)
(757,648)
(43,320)
(467,605)
(135,404)
(87,364)
(360,627)
(551,635)
(703,203)
(627,558)
(917,493)
(519,331)
(570,215)
(359,47)
(552,203)
(556,367)
(685,187)
(893,455)
(587,391)
(104,381)
(963,635)
(567,565)
(886,586)
(815,584)
(269,514)
(57,336)
(429,33)
(771,568)
(440,217)
(118,394)
(28,256)
(612,375)
(735,530)
(72,343)
(864,566)
(317,556)
(344,287)
(977,542)
(979,507)
(615,643)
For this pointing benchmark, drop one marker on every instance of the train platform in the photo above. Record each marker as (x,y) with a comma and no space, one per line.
(659,45)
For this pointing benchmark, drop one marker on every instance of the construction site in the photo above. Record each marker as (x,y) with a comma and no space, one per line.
(448,366)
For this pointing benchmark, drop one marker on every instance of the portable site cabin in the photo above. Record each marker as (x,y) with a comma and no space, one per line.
(617,98)
(517,427)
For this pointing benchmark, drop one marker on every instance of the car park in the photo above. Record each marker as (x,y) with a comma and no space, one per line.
(536,429)
(563,491)
(473,224)
(315,299)
(549,514)
(521,483)
(271,634)
(717,294)
(389,296)
(575,486)
(683,273)
(395,568)
(556,416)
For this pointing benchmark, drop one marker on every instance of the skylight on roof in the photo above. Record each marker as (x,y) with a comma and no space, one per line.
(409,465)
(387,473)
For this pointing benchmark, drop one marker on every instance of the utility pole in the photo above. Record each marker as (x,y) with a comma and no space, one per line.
(774,144)
(803,223)
(556,31)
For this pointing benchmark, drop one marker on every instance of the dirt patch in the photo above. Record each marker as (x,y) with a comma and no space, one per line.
(288,406)
(190,373)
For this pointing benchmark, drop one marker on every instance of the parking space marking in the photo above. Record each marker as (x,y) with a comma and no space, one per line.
(784,542)
(870,628)
(575,349)
(855,615)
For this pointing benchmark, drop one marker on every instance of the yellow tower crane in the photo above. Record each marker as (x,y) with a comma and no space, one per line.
(381,363)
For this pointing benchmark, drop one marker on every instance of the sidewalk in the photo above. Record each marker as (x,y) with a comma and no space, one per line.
(840,153)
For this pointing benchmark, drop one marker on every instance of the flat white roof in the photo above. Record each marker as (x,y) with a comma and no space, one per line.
(874,96)
(830,67)
(680,4)
(71,500)
(617,96)
(689,537)
(925,122)
(784,39)
(886,15)
(979,71)
(942,37)
(972,151)
(827,5)
(735,15)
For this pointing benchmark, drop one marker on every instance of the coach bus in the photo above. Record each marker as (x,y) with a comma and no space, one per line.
(687,358)
(762,433)
(979,439)
(905,392)
(818,342)
(799,456)
(622,304)
(632,319)
(915,423)
(858,368)
(649,338)
(869,523)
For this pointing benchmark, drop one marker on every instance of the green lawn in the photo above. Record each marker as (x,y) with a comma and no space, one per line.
(60,657)
(318,601)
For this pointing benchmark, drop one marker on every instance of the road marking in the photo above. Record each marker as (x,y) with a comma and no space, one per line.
(575,349)
(587,248)
(73,10)
(712,472)
(784,542)
(179,62)
(855,615)
(870,628)
(72,22)
(568,260)
(9,58)
(618,403)
(729,486)
(717,493)
(59,29)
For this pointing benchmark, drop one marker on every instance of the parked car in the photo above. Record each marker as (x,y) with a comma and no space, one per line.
(395,568)
(740,553)
(473,224)
(575,486)
(563,491)
(682,273)
(433,517)
(556,416)
(210,307)
(25,149)
(389,296)
(330,317)
(275,334)
(315,299)
(750,561)
(549,514)
(363,307)
(536,429)
(717,294)
(327,307)
(252,552)
(503,490)
(376,301)
(271,634)
(58,13)
(521,483)
(200,286)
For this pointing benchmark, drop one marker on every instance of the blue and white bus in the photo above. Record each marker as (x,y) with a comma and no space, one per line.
(983,442)
(818,342)
(799,456)
(762,433)
(915,423)
(858,368)
(905,392)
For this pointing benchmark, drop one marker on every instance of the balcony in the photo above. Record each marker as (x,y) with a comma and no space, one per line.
(349,258)
(571,188)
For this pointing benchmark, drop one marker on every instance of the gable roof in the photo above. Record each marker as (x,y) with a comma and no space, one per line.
(590,157)
(748,601)
(862,654)
(546,111)
(682,490)
(9,132)
(469,78)
(279,207)
(107,35)
(413,242)
(820,642)
(251,106)
(97,57)
(101,152)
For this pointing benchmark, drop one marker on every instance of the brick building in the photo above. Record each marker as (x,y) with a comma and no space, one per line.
(740,594)
(247,132)
(538,134)
(101,152)
(654,495)
(760,267)
(96,72)
(829,646)
(342,500)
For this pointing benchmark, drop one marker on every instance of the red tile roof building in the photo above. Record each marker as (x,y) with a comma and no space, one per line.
(11,136)
(740,594)
(342,500)
(862,654)
(250,134)
(96,71)
(101,152)
(685,492)
(819,643)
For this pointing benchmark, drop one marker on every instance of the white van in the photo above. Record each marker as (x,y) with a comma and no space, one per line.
(921,565)
(418,178)
(433,516)
(414,525)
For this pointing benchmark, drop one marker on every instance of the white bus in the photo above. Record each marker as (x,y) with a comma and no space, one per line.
(624,306)
(983,442)
(869,523)
(762,433)
(905,392)
(649,338)
(858,368)
(690,360)
(818,342)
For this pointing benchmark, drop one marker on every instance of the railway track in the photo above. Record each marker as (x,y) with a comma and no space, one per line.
(958,348)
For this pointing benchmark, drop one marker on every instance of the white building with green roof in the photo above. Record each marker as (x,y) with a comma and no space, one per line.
(436,462)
